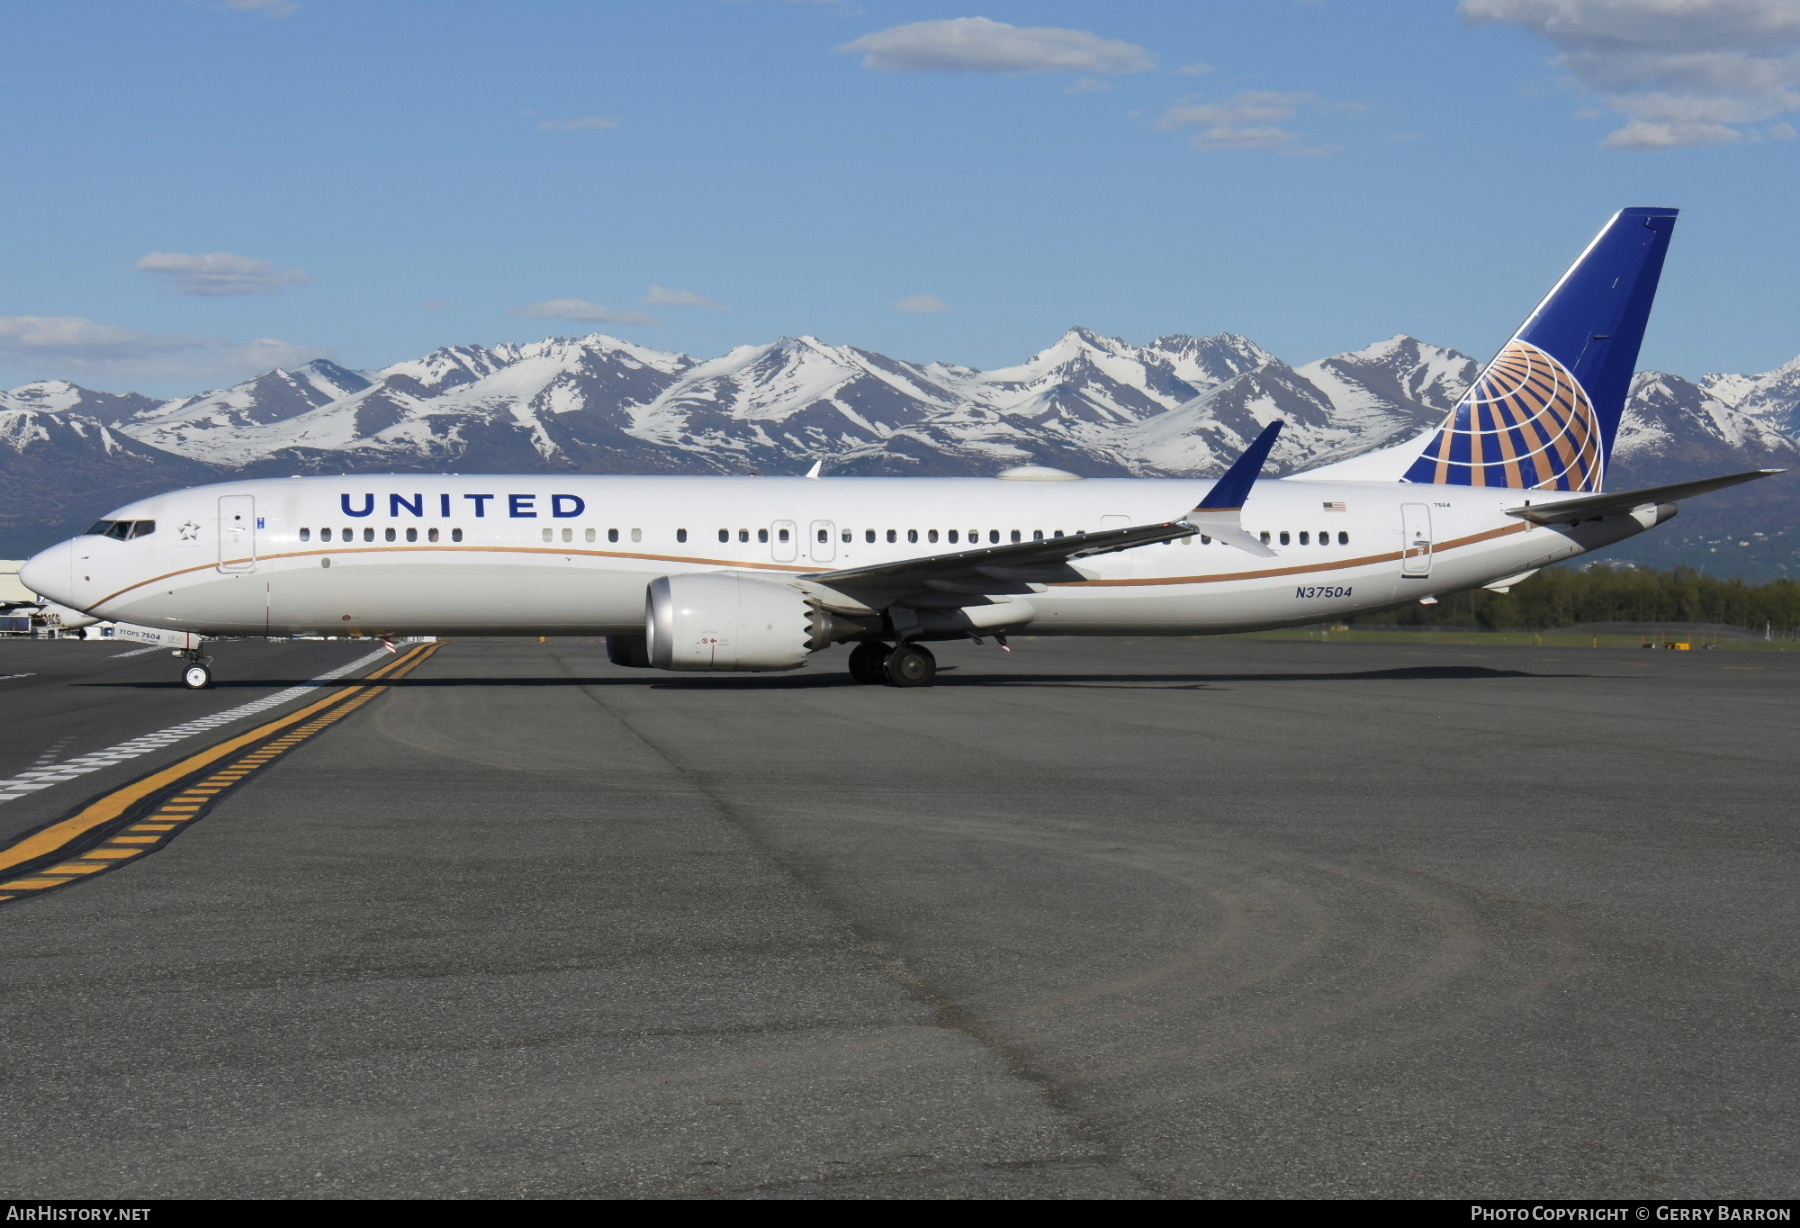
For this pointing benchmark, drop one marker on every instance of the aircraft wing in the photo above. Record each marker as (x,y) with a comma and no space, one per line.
(1587,507)
(989,570)
(966,576)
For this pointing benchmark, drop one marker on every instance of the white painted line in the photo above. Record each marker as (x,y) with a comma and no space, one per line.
(43,777)
(4,677)
(138,652)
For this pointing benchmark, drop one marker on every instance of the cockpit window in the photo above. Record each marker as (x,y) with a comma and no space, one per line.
(122,530)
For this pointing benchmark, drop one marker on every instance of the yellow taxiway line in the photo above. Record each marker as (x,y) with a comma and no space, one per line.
(125,835)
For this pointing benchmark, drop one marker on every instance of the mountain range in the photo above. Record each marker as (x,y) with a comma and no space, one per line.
(1096,406)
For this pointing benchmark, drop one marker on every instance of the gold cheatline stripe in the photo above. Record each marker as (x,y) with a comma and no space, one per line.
(114,804)
(427,548)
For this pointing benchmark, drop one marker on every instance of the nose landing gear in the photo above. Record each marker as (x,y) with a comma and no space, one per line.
(901,665)
(196,675)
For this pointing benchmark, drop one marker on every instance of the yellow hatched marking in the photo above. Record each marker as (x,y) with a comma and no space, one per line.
(151,827)
(32,884)
(113,805)
(76,867)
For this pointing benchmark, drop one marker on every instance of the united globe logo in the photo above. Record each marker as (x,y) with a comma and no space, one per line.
(1527,424)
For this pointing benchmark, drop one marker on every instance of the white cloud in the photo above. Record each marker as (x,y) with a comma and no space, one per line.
(922,304)
(976,44)
(1087,85)
(589,123)
(662,296)
(581,309)
(1683,73)
(75,346)
(1194,70)
(216,273)
(1249,119)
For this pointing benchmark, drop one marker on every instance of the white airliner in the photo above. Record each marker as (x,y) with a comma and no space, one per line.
(758,573)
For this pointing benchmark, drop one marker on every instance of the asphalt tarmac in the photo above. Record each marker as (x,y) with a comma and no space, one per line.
(1096,919)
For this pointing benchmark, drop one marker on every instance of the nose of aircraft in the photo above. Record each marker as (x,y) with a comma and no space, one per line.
(49,573)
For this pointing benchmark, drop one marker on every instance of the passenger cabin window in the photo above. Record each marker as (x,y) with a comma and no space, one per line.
(893,536)
(548,534)
(369,534)
(848,536)
(324,535)
(568,535)
(743,535)
(931,535)
(1016,536)
(305,535)
(1305,538)
(390,535)
(1265,537)
(762,535)
(951,536)
(455,535)
(869,536)
(1284,537)
(1037,535)
(612,535)
(590,535)
(824,536)
(412,535)
(912,535)
(724,535)
(680,535)
(431,536)
(781,534)
(1343,539)
(994,536)
(637,535)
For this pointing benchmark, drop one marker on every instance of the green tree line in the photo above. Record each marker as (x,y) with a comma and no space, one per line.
(1558,598)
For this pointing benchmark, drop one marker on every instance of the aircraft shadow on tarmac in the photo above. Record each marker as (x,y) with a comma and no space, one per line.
(948,676)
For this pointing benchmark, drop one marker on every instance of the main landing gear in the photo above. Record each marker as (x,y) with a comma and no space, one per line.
(872,662)
(196,675)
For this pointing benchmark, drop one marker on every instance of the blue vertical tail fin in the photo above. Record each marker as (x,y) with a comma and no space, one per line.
(1544,413)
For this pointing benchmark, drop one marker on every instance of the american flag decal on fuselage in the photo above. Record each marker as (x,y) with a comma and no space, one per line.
(1527,423)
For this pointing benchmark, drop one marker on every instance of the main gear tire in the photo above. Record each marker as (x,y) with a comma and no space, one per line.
(911,665)
(868,662)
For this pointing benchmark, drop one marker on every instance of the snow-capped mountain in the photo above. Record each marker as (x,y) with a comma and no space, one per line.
(1091,404)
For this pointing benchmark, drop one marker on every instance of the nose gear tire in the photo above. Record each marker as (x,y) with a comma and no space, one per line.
(196,677)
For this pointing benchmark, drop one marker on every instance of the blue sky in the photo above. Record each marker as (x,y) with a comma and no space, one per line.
(196,190)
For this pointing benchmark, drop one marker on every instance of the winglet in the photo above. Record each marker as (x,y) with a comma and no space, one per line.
(1218,515)
(814,471)
(1229,492)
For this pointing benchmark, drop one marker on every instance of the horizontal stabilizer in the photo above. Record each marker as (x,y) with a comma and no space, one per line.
(1587,507)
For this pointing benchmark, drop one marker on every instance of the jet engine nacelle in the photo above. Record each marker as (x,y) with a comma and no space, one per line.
(715,621)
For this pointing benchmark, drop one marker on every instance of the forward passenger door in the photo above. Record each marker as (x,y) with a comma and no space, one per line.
(237,532)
